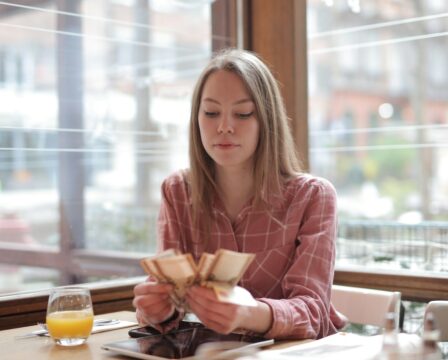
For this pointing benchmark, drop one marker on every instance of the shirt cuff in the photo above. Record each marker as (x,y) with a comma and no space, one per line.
(279,319)
(286,325)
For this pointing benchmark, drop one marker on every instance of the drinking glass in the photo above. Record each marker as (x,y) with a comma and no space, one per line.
(69,315)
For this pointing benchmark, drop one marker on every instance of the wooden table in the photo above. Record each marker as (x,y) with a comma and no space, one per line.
(40,347)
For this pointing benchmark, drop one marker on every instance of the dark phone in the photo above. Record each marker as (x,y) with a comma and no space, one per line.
(148,330)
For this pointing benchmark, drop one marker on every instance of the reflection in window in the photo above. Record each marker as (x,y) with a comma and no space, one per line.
(386,162)
(94,114)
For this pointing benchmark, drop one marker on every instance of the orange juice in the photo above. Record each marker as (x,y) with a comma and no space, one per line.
(70,324)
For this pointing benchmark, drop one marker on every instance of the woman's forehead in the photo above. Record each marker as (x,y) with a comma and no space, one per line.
(226,86)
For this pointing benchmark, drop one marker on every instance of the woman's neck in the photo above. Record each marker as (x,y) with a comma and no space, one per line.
(237,187)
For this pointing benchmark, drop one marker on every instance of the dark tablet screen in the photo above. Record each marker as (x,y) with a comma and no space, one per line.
(148,330)
(179,344)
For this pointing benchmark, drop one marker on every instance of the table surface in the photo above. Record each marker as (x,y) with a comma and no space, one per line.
(42,347)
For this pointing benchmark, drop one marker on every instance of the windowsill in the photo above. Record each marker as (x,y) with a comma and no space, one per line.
(29,307)
(414,287)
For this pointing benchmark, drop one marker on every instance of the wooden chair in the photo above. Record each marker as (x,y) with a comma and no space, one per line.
(439,309)
(366,306)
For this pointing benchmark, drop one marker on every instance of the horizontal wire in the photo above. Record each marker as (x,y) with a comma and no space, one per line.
(141,150)
(161,146)
(158,145)
(99,150)
(95,37)
(376,147)
(192,71)
(48,162)
(376,26)
(90,131)
(82,150)
(361,45)
(167,145)
(379,130)
(125,68)
(93,132)
(154,64)
(109,20)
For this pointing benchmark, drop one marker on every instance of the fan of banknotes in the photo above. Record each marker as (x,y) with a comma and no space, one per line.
(220,271)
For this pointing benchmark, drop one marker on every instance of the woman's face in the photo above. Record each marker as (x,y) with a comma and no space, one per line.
(227,121)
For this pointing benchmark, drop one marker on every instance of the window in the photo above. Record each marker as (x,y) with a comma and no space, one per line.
(378,129)
(94,114)
(15,68)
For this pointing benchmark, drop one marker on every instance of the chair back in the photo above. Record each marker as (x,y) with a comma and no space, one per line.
(439,309)
(366,306)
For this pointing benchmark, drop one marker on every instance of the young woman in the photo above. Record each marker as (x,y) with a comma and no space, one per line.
(245,192)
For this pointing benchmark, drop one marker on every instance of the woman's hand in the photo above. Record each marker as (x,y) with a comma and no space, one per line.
(153,303)
(224,317)
(214,314)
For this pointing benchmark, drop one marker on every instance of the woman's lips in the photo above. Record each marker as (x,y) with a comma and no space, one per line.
(226,146)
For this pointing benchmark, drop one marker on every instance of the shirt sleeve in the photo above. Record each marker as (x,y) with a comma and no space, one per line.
(168,223)
(305,312)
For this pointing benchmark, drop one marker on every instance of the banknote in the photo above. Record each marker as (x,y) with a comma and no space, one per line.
(220,271)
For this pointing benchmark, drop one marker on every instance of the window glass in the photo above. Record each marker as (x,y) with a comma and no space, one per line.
(95,98)
(13,277)
(378,119)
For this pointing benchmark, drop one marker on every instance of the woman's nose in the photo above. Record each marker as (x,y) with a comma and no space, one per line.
(225,125)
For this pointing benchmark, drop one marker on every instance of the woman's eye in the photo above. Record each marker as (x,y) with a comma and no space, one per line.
(245,115)
(211,113)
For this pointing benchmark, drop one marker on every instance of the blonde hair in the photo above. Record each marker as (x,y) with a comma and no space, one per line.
(275,158)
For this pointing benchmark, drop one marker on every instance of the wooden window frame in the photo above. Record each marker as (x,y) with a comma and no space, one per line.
(277,32)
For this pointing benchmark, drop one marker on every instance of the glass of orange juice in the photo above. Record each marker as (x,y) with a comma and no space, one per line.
(69,315)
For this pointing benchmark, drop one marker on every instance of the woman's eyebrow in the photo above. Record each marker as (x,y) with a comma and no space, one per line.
(242,101)
(235,103)
(212,100)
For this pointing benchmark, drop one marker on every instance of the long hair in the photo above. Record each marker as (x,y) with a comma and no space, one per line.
(275,158)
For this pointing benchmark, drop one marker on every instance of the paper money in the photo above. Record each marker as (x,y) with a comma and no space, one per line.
(220,271)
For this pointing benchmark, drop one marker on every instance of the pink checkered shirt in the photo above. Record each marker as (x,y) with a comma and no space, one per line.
(294,246)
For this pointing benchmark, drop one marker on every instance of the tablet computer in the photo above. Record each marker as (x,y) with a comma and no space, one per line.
(149,330)
(179,344)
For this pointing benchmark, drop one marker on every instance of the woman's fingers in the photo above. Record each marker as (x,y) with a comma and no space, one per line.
(154,309)
(150,300)
(218,322)
(159,310)
(153,300)
(206,299)
(149,294)
(152,288)
(221,317)
(153,315)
